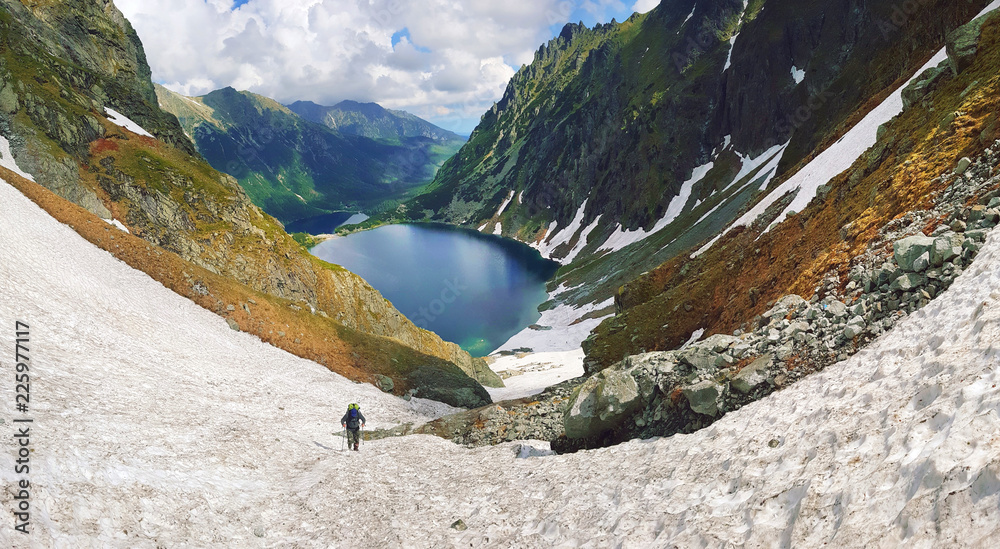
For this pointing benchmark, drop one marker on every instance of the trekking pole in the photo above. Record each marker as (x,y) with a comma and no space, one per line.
(343,442)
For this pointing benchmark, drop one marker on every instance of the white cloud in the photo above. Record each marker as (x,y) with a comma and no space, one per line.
(458,56)
(643,6)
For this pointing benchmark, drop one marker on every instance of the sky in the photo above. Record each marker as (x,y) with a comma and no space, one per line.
(444,60)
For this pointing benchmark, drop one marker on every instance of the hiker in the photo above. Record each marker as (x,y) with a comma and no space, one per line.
(351,421)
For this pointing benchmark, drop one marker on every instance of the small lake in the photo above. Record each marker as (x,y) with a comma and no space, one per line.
(472,289)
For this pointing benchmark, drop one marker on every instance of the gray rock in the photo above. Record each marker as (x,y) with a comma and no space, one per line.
(795,328)
(908,282)
(601,403)
(703,397)
(921,263)
(943,250)
(836,309)
(963,43)
(922,85)
(718,343)
(963,166)
(698,358)
(975,214)
(907,250)
(459,525)
(978,235)
(233,324)
(385,383)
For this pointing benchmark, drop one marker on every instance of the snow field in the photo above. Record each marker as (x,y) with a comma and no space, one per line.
(157,425)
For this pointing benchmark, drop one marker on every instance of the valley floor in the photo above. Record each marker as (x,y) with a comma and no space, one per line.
(157,425)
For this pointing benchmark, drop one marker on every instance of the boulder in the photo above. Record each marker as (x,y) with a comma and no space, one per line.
(836,309)
(698,358)
(704,397)
(449,384)
(795,328)
(384,383)
(908,282)
(718,343)
(752,376)
(907,250)
(923,85)
(921,263)
(963,43)
(601,403)
(943,250)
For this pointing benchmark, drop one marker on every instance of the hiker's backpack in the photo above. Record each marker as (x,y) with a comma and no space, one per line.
(352,411)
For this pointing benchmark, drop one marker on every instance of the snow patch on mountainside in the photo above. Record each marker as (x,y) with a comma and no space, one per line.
(562,328)
(120,119)
(563,236)
(7,159)
(536,372)
(506,202)
(621,238)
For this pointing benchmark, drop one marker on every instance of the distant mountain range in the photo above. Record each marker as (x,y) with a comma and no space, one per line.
(309,159)
(373,121)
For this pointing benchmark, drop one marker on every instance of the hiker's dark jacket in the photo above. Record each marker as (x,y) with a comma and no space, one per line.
(353,423)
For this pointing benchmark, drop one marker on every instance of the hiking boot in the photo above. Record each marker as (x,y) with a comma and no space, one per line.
(355,446)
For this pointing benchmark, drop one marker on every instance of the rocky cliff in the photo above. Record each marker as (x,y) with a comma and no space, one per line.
(67,69)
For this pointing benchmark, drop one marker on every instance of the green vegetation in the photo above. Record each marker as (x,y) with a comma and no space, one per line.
(293,168)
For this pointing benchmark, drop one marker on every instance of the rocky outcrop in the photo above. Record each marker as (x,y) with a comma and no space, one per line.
(963,43)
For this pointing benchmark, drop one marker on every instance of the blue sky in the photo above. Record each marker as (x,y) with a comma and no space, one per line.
(444,60)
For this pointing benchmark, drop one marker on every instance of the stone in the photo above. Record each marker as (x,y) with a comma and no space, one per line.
(718,342)
(698,358)
(963,166)
(922,85)
(703,397)
(385,383)
(795,328)
(975,214)
(603,402)
(978,235)
(907,250)
(958,226)
(752,376)
(233,324)
(943,250)
(921,263)
(908,282)
(963,43)
(459,525)
(836,309)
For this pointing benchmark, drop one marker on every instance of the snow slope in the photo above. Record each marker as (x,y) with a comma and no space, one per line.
(157,425)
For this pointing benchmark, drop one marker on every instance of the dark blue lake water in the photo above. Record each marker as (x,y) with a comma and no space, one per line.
(472,289)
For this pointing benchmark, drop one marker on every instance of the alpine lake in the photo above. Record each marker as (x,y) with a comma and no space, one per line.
(472,289)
